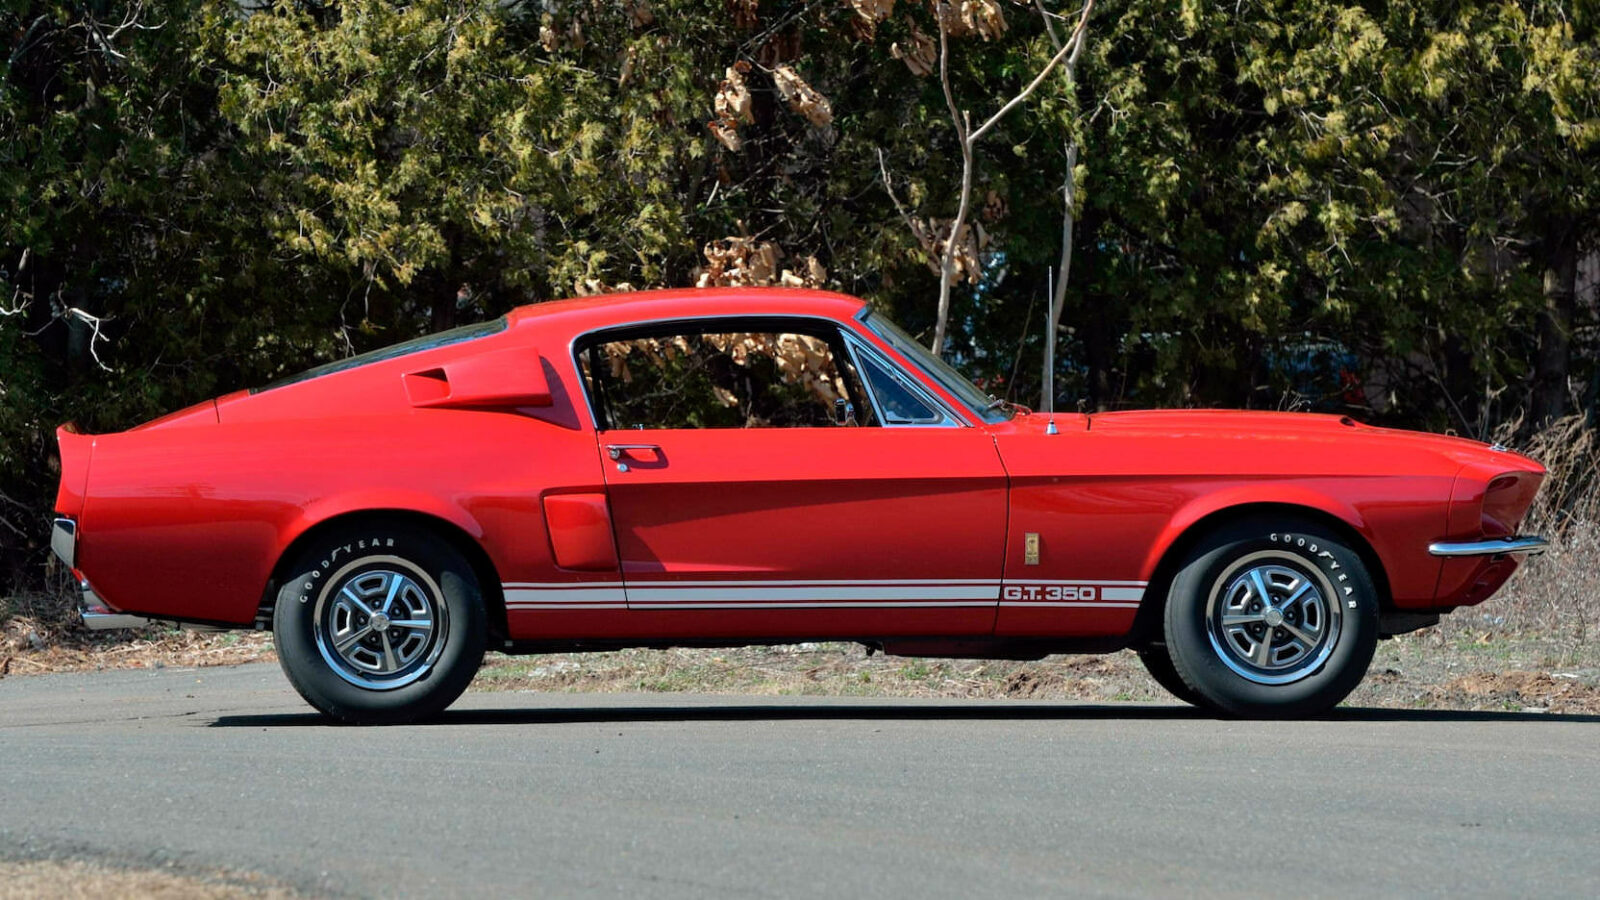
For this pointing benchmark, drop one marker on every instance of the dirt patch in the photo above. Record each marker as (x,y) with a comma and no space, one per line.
(1430,671)
(1560,692)
(31,647)
(51,880)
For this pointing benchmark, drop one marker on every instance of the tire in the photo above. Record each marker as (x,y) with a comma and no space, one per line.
(1298,654)
(349,578)
(1159,664)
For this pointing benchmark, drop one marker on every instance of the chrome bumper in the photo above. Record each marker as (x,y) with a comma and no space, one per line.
(96,615)
(64,541)
(1522,543)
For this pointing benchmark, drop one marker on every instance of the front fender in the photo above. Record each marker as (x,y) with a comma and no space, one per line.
(1396,516)
(1239,499)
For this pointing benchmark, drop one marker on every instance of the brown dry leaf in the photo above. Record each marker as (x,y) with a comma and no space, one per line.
(639,14)
(745,13)
(986,18)
(726,133)
(934,235)
(873,10)
(739,262)
(592,287)
(785,46)
(732,106)
(811,275)
(802,97)
(994,207)
(981,17)
(548,39)
(733,95)
(919,55)
(868,14)
(628,58)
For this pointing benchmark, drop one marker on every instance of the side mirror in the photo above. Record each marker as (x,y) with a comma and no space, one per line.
(844,412)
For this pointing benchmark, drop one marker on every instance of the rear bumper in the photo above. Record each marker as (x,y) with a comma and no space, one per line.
(97,616)
(1493,547)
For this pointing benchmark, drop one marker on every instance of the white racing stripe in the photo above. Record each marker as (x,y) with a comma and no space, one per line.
(822,594)
(1066,603)
(989,593)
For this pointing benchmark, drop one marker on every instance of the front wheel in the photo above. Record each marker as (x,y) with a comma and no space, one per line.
(380,624)
(1158,662)
(1272,618)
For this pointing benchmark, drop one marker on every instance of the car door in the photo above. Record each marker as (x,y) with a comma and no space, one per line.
(757,488)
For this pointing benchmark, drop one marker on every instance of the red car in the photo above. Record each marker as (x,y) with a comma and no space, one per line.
(750,466)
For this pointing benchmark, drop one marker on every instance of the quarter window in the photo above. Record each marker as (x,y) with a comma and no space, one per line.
(722,379)
(899,405)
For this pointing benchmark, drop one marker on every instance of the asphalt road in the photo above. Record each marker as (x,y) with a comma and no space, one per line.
(700,796)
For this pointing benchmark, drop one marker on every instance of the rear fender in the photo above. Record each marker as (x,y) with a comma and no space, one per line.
(377,502)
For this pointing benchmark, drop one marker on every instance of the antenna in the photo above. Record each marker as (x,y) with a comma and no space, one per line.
(1047,397)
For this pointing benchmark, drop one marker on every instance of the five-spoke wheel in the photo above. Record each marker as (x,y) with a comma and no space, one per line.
(380,623)
(1271,622)
(1268,617)
(381,627)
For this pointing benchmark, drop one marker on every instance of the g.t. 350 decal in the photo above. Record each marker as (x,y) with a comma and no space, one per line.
(1071,593)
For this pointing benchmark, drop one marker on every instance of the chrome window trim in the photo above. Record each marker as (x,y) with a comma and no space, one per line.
(978,415)
(859,349)
(835,324)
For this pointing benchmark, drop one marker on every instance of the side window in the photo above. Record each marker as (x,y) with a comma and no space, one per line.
(900,406)
(775,379)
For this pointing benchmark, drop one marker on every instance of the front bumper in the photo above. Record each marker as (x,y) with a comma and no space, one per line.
(1522,543)
(97,616)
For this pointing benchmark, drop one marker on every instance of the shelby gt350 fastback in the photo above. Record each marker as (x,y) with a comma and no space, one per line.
(748,466)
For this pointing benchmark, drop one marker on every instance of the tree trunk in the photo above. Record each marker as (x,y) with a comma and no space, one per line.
(1551,361)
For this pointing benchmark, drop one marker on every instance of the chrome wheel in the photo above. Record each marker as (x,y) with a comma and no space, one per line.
(379,623)
(1271,621)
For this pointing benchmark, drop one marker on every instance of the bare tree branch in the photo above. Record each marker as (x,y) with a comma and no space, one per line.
(969,137)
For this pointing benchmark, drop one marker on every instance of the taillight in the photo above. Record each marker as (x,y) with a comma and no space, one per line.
(75,451)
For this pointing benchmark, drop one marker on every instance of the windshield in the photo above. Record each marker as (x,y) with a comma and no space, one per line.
(981,404)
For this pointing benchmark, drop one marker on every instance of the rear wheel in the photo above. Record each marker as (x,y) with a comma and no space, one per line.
(380,624)
(1272,618)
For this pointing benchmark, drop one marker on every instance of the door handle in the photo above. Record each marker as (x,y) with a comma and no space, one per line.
(615,451)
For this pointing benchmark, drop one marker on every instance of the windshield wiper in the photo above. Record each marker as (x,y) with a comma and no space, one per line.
(1002,403)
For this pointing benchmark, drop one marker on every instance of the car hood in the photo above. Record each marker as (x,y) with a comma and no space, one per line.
(1277,427)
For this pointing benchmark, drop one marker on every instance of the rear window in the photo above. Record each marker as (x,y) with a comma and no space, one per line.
(394,351)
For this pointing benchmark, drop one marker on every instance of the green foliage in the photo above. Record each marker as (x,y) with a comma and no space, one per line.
(201,196)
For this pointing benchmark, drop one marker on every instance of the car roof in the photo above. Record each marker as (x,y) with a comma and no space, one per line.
(689,303)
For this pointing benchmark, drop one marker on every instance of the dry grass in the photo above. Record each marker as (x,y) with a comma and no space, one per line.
(72,880)
(33,646)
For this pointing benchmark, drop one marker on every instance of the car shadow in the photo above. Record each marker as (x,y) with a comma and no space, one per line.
(879,712)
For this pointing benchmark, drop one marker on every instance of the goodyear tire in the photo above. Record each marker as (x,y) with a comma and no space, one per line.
(380,624)
(1158,662)
(1272,618)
